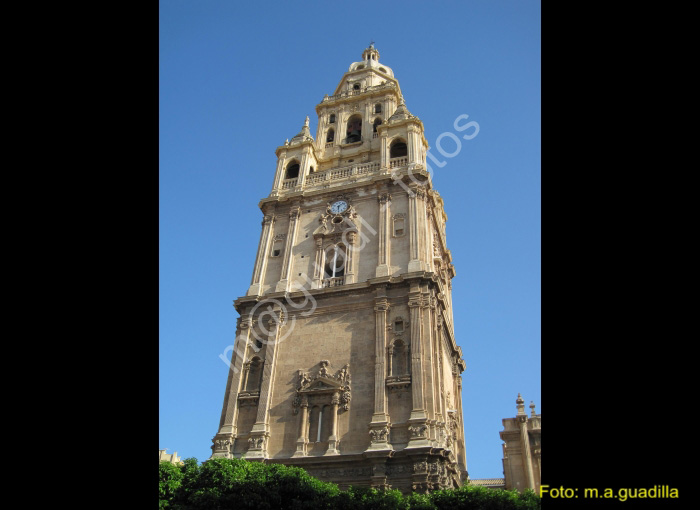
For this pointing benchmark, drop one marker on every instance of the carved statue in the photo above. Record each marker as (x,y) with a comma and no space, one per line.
(323,372)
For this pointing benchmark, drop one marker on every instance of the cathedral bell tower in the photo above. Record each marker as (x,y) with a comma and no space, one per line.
(345,361)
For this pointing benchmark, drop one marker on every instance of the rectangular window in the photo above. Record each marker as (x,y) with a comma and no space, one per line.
(398,226)
(276,248)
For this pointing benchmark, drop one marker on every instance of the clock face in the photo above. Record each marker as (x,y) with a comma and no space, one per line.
(339,207)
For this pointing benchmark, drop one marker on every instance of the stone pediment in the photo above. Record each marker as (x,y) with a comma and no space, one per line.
(323,384)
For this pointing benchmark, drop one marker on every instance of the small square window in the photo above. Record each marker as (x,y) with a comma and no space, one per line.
(275,253)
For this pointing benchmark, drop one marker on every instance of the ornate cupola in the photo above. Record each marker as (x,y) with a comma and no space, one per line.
(371,53)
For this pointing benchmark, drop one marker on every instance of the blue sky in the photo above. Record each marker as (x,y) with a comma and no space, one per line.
(237,79)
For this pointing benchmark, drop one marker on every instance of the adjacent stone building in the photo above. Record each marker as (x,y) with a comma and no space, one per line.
(345,361)
(521,450)
(169,457)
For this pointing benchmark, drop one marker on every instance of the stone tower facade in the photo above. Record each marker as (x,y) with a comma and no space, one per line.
(345,361)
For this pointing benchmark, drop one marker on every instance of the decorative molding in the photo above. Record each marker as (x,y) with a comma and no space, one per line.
(380,435)
(256,443)
(332,387)
(418,431)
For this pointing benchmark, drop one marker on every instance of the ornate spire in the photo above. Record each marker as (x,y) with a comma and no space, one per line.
(532,409)
(304,134)
(401,112)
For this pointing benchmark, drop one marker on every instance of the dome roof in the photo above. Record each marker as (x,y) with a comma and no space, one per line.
(370,59)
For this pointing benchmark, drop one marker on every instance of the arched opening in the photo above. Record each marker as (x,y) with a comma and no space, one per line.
(292,170)
(330,136)
(399,361)
(254,374)
(397,149)
(319,423)
(354,129)
(377,122)
(331,120)
(356,86)
(335,261)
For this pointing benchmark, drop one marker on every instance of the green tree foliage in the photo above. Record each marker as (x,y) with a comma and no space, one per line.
(170,478)
(482,498)
(222,484)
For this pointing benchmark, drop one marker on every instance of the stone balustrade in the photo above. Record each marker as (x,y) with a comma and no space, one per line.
(334,282)
(337,175)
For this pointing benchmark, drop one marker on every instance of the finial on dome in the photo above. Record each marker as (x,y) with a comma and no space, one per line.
(306,122)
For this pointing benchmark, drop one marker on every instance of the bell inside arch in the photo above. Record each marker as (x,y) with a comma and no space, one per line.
(354,135)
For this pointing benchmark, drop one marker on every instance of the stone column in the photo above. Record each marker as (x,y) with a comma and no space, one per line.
(283,284)
(261,258)
(303,169)
(303,428)
(384,152)
(279,173)
(333,439)
(384,235)
(410,145)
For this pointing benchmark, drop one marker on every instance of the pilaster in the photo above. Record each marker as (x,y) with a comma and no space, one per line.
(223,441)
(261,257)
(379,426)
(284,283)
(261,432)
(384,235)
(418,427)
(416,231)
